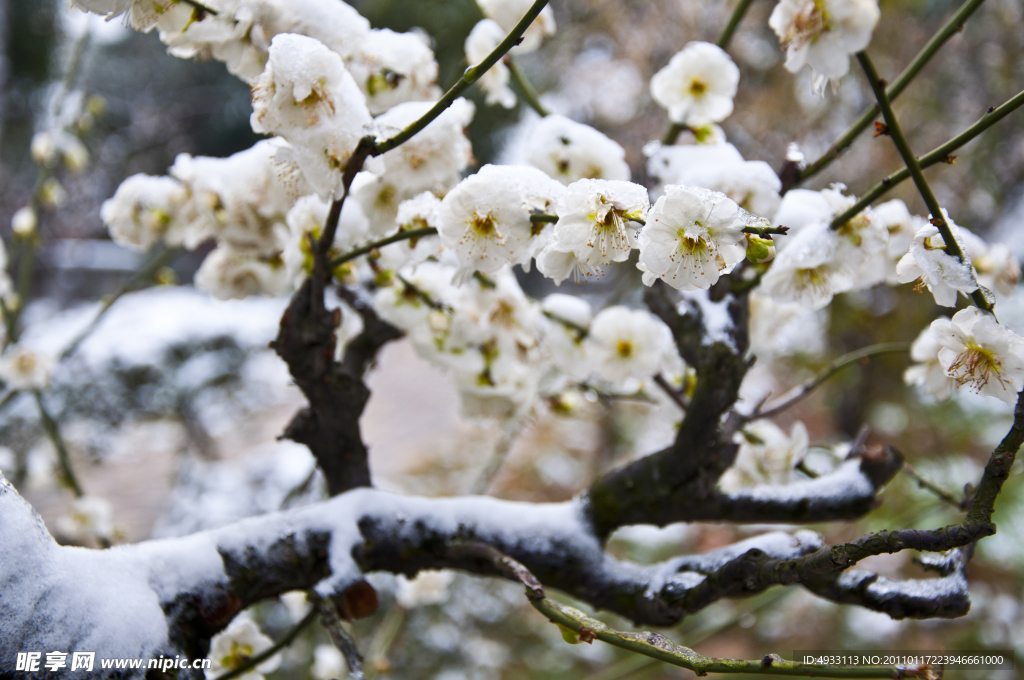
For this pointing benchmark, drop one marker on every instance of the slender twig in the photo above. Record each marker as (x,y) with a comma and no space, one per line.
(940,154)
(673,132)
(387,632)
(734,22)
(273,649)
(948,30)
(903,146)
(470,76)
(542,218)
(370,247)
(145,273)
(655,645)
(581,331)
(675,395)
(927,484)
(53,432)
(764,231)
(524,86)
(201,7)
(801,391)
(341,638)
(498,456)
(661,648)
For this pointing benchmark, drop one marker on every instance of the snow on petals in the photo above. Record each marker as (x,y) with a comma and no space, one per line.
(980,354)
(698,85)
(942,273)
(692,236)
(308,97)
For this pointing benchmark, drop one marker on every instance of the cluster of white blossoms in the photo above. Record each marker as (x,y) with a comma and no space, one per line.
(323,80)
(823,34)
(388,67)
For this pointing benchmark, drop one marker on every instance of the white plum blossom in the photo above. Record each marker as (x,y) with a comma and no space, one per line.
(24,368)
(592,220)
(145,210)
(767,455)
(89,518)
(227,274)
(429,587)
(391,68)
(753,185)
(507,13)
(698,85)
(485,220)
(928,373)
(692,236)
(306,96)
(928,262)
(235,645)
(24,221)
(807,270)
(570,151)
(823,34)
(626,344)
(980,354)
(480,42)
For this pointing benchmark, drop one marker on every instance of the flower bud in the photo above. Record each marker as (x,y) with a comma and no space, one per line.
(760,250)
(52,194)
(24,221)
(44,151)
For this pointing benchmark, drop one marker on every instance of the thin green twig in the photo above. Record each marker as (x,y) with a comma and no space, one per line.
(948,30)
(524,86)
(470,76)
(734,21)
(903,146)
(273,649)
(801,391)
(940,154)
(145,273)
(370,247)
(929,485)
(53,432)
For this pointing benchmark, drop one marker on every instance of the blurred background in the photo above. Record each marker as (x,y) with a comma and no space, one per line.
(172,407)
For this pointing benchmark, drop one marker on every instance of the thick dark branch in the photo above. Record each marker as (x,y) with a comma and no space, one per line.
(337,395)
(653,488)
(944,598)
